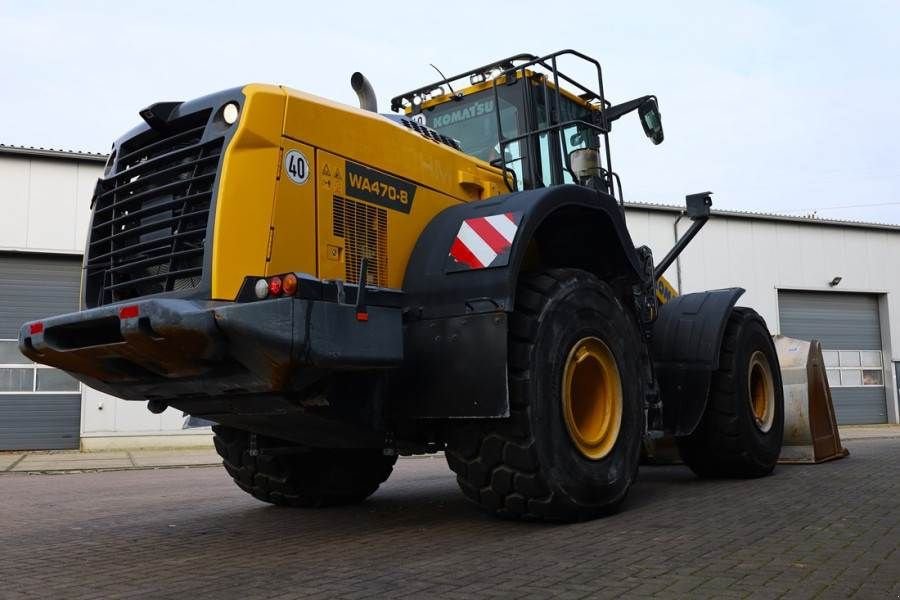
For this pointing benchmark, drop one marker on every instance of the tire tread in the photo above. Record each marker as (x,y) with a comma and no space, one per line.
(318,478)
(717,448)
(496,464)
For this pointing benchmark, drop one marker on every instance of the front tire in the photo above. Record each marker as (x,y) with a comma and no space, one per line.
(570,449)
(312,478)
(741,431)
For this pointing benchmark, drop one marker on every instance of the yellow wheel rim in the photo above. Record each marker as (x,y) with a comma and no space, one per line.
(762,391)
(592,398)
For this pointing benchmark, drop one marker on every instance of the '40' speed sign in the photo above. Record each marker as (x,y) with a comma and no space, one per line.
(296,166)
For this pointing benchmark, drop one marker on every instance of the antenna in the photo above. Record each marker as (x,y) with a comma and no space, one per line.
(447,81)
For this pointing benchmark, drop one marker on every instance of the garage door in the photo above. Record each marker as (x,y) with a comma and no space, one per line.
(849,329)
(40,407)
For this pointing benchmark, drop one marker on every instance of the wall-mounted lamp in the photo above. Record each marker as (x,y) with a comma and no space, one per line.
(834,281)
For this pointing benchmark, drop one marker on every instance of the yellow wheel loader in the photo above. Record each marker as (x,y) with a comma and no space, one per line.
(335,287)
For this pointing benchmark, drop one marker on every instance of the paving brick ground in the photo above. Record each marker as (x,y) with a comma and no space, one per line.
(826,531)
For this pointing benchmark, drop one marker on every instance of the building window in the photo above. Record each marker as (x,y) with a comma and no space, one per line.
(854,368)
(19,375)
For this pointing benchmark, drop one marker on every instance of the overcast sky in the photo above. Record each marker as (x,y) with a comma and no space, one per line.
(774,106)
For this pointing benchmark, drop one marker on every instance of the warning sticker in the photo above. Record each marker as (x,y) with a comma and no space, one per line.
(484,242)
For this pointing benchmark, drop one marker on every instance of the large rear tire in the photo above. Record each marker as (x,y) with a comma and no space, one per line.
(312,478)
(570,449)
(741,430)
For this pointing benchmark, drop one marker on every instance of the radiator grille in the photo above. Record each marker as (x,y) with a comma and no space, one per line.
(364,229)
(150,217)
(429,133)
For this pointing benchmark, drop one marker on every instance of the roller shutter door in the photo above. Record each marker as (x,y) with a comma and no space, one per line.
(40,408)
(849,329)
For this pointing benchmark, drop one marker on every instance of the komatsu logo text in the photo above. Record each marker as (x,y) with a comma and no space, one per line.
(379,188)
(476,109)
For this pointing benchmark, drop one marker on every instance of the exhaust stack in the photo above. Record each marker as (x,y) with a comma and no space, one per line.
(364,91)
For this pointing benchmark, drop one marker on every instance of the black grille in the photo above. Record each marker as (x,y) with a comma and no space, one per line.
(150,217)
(364,229)
(431,134)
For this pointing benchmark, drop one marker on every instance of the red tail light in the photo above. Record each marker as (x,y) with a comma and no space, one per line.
(275,286)
(36,328)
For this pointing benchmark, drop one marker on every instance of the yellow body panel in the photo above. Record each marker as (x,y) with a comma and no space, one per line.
(265,223)
(293,240)
(373,140)
(386,237)
(665,291)
(246,193)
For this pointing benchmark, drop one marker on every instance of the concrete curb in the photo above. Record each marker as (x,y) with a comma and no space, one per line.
(76,462)
(106,469)
(62,462)
(868,432)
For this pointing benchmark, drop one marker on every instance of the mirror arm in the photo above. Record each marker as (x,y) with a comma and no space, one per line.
(698,206)
(619,110)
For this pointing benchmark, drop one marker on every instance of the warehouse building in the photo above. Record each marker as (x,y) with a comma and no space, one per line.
(45,198)
(809,278)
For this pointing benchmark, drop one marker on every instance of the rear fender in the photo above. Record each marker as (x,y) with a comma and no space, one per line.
(458,298)
(687,337)
(571,226)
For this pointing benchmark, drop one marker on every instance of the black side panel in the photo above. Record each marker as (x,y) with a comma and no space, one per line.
(434,292)
(337,338)
(685,349)
(458,368)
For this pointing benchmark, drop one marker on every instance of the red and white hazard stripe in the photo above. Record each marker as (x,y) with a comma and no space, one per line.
(481,240)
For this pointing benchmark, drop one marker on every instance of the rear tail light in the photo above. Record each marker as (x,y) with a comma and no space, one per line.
(261,288)
(289,284)
(36,328)
(274,286)
(277,285)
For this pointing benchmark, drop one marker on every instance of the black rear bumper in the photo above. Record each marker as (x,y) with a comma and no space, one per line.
(171,349)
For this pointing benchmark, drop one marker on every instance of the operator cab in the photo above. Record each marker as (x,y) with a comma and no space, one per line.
(519,114)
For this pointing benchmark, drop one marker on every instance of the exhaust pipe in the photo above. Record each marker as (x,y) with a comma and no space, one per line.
(364,91)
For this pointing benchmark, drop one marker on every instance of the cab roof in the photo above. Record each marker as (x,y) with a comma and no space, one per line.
(486,76)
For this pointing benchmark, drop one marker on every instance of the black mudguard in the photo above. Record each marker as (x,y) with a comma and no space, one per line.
(434,290)
(456,333)
(687,337)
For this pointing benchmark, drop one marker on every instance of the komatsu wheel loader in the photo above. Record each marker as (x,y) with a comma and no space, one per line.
(334,287)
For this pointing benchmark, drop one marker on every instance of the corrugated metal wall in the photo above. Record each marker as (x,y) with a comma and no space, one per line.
(841,322)
(39,421)
(34,286)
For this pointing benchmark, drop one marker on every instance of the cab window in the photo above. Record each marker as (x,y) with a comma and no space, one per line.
(570,138)
(472,122)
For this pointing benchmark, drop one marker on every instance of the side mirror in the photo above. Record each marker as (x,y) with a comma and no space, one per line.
(651,120)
